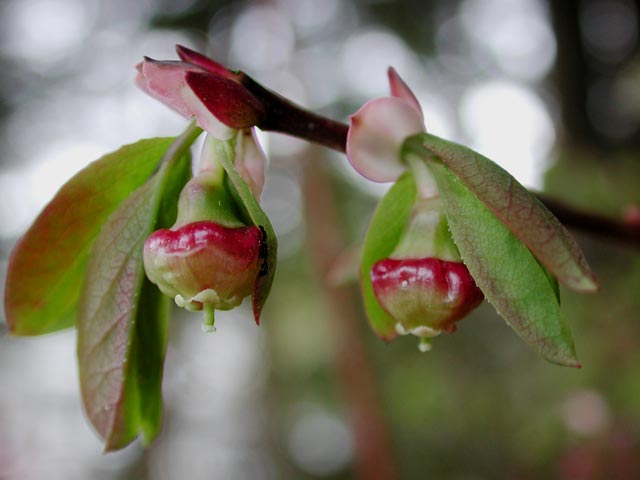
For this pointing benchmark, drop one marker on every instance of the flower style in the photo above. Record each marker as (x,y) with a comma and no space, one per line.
(199,87)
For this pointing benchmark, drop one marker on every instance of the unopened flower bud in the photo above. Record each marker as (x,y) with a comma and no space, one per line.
(197,86)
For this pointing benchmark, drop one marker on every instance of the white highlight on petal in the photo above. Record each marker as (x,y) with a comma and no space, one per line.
(421,331)
(376,134)
(400,330)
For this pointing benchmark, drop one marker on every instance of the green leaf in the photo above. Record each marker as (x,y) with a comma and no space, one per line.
(254,214)
(122,317)
(511,278)
(47,265)
(384,232)
(519,210)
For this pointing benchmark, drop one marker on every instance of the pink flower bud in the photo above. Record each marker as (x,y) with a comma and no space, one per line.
(201,88)
(378,129)
(204,263)
(425,295)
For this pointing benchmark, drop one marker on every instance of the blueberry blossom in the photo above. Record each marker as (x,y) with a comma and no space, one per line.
(210,259)
(504,243)
(423,284)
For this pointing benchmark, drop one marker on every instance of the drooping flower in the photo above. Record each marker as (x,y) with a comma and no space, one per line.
(210,259)
(204,265)
(425,296)
(199,87)
(423,284)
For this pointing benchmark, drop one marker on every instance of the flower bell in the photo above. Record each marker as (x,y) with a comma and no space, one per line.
(210,259)
(423,285)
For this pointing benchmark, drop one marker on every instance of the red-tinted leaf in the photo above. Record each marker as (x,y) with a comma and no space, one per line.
(106,315)
(47,265)
(519,210)
(122,317)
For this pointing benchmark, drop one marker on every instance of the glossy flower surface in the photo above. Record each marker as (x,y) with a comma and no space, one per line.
(425,295)
(199,87)
(204,263)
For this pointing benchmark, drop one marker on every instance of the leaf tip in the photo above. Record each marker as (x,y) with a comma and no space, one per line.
(563,358)
(387,338)
(257,310)
(586,283)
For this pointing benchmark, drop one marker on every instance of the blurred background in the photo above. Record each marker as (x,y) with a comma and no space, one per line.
(548,89)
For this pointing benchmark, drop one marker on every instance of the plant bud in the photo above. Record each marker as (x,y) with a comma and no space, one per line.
(424,285)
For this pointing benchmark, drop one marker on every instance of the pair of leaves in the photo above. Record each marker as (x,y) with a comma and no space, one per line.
(512,245)
(81,262)
(506,237)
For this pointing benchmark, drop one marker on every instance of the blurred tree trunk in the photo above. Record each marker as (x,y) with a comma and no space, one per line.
(587,85)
